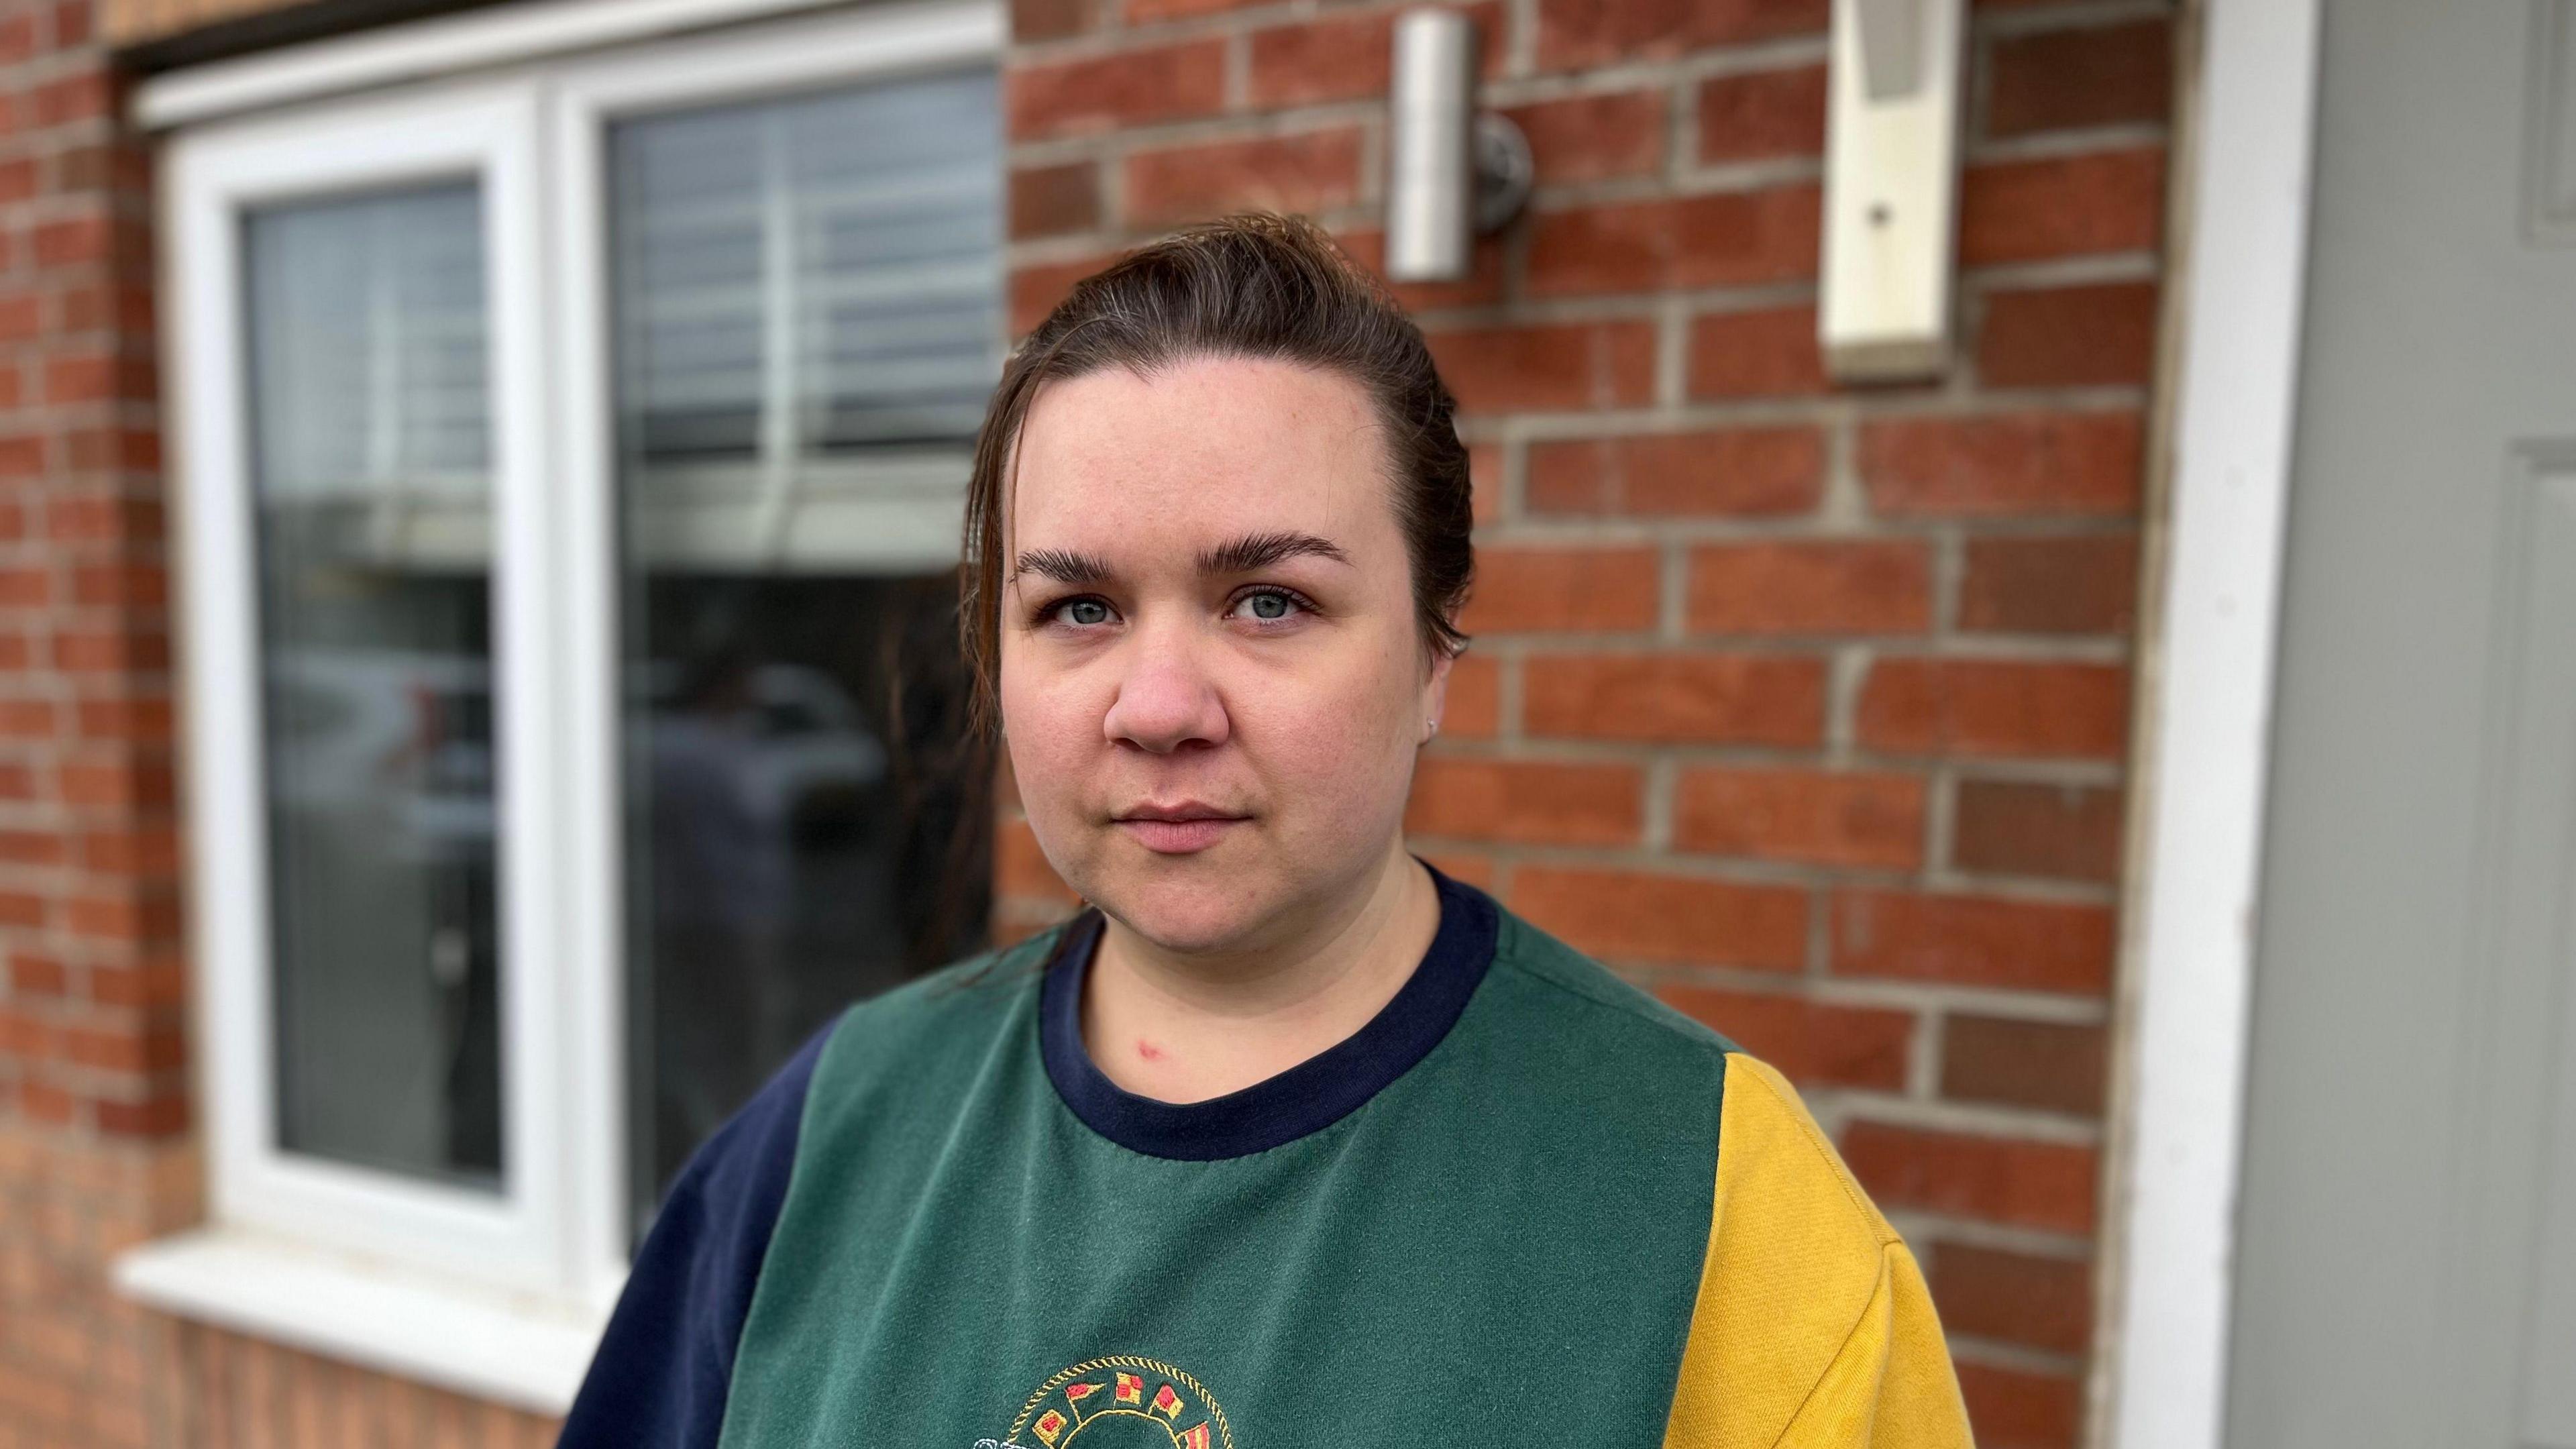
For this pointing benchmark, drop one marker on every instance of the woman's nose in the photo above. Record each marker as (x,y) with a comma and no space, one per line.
(1166,696)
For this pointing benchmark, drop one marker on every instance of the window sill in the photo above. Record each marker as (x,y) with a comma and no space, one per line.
(528,1351)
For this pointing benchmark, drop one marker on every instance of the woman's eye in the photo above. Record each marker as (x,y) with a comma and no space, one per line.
(1083,611)
(1271,605)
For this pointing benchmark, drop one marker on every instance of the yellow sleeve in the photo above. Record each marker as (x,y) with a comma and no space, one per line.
(1813,1328)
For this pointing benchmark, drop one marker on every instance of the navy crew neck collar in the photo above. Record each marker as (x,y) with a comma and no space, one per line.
(1307,1097)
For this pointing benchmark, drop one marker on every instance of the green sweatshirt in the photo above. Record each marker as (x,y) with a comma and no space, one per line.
(1525,1204)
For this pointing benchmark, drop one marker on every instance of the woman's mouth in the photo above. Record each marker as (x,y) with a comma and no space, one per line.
(1178,830)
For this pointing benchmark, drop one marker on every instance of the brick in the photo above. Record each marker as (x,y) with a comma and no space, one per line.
(1962,940)
(1310,172)
(129,849)
(121,584)
(2020,1408)
(1147,12)
(97,377)
(25,587)
(1130,88)
(132,1048)
(1733,472)
(31,974)
(2098,75)
(1995,707)
(2020,211)
(82,96)
(145,984)
(112,447)
(1021,869)
(2051,1065)
(2100,334)
(1347,58)
(75,241)
(2024,1298)
(124,784)
(1553,590)
(91,518)
(1636,916)
(1046,200)
(1472,705)
(1811,817)
(1676,698)
(1593,138)
(123,915)
(1475,869)
(1054,19)
(29,719)
(1485,482)
(1769,352)
(1527,801)
(2014,827)
(1810,588)
(110,651)
(1722,239)
(1762,114)
(46,1103)
(159,1116)
(21,316)
(1809,1041)
(1035,291)
(1575,33)
(2002,465)
(125,721)
(2081,585)
(2006,1180)
(32,847)
(1550,366)
(25,909)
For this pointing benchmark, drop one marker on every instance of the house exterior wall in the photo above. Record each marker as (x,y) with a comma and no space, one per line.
(1803,706)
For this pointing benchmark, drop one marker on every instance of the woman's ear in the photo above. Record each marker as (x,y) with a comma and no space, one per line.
(1435,693)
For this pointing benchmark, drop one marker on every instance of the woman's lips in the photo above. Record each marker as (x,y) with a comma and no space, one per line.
(1179,837)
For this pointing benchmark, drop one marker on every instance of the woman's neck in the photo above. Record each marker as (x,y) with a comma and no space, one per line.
(1178,1029)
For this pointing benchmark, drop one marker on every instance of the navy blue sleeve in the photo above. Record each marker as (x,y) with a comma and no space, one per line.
(659,1377)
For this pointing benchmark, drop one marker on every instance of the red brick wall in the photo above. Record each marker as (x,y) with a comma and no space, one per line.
(93,1113)
(1804,706)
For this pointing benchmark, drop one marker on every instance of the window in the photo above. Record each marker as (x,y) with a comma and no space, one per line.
(572,463)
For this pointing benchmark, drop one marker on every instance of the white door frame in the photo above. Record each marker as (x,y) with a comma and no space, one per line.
(2206,686)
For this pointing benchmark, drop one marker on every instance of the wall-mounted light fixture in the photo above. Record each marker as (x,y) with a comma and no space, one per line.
(1452,174)
(1891,188)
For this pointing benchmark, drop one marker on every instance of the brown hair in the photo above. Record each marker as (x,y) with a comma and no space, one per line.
(1256,284)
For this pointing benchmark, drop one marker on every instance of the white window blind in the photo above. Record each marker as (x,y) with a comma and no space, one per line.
(807,294)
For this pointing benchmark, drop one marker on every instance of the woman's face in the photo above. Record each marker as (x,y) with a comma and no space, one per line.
(1206,599)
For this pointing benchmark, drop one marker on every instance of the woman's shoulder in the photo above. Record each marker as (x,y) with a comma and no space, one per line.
(1563,989)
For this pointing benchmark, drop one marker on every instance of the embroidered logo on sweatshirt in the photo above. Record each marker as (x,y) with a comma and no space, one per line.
(1147,1402)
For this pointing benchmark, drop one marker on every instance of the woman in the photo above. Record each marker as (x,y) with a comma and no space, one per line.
(1288,1138)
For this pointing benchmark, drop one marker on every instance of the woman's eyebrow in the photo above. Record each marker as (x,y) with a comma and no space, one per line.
(1236,556)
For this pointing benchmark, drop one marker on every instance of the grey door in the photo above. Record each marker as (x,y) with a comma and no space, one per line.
(2407,1269)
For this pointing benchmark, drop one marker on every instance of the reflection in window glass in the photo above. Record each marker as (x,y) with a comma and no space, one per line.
(371,478)
(808,322)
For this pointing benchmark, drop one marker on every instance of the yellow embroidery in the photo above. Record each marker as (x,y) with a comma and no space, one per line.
(1057,1415)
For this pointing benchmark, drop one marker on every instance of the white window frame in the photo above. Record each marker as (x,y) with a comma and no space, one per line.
(498,1296)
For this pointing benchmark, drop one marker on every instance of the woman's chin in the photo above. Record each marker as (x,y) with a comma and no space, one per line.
(1210,913)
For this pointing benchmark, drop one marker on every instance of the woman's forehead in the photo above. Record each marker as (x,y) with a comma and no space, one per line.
(1196,457)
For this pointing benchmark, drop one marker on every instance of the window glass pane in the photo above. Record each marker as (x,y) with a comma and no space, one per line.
(808,296)
(370,463)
